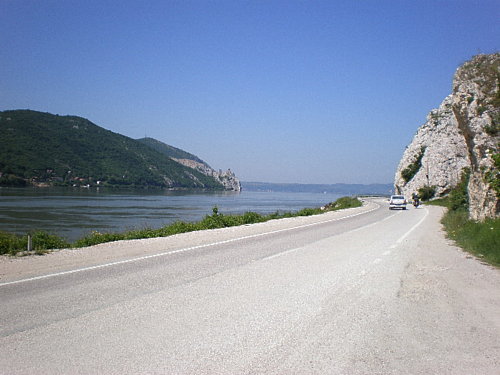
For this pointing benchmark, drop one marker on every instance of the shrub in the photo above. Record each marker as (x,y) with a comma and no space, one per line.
(12,180)
(427,192)
(492,129)
(11,243)
(409,172)
(479,238)
(43,241)
(307,212)
(95,238)
(343,203)
(252,217)
(459,197)
(141,233)
(176,228)
(492,176)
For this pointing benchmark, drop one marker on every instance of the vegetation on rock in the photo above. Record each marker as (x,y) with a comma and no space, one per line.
(492,175)
(409,172)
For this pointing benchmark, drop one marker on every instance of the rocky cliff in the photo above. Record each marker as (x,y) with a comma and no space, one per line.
(227,178)
(464,132)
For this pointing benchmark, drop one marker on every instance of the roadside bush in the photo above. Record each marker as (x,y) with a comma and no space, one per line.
(252,218)
(12,243)
(308,212)
(343,203)
(459,197)
(43,241)
(141,233)
(96,238)
(479,238)
(212,222)
(177,227)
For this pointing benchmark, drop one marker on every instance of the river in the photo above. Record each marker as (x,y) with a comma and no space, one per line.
(73,213)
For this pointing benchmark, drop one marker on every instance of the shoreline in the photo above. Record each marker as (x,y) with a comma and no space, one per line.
(64,260)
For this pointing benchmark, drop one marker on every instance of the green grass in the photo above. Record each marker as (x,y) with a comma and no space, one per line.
(42,242)
(479,238)
(13,244)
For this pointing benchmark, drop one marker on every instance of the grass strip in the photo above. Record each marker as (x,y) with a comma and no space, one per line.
(480,238)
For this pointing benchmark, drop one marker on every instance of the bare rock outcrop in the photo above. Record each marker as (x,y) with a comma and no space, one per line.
(476,105)
(227,178)
(464,132)
(442,152)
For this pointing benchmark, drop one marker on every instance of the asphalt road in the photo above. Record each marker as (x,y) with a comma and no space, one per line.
(364,291)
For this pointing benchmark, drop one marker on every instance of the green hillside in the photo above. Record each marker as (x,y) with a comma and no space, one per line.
(38,147)
(170,151)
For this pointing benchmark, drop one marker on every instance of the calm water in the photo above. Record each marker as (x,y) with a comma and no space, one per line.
(74,213)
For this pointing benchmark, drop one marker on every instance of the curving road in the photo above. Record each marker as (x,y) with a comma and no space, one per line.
(361,291)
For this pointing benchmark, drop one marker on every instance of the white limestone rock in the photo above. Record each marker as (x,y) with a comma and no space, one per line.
(227,178)
(464,132)
(445,154)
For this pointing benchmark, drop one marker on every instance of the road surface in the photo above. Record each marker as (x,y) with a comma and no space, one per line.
(360,291)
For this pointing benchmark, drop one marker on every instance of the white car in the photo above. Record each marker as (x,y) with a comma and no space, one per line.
(397,201)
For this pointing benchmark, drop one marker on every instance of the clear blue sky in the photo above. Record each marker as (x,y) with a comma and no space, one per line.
(278,91)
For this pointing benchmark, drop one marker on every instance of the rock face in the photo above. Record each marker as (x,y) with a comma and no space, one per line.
(464,132)
(228,179)
(443,150)
(476,105)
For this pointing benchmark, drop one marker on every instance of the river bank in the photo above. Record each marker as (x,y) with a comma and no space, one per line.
(75,213)
(67,260)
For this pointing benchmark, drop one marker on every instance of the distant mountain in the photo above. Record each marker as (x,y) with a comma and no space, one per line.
(345,189)
(45,149)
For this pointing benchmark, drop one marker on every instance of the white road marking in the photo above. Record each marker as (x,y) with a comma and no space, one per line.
(370,225)
(187,249)
(281,254)
(349,232)
(401,239)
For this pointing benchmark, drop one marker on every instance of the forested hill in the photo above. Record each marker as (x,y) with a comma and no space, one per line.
(42,148)
(170,151)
